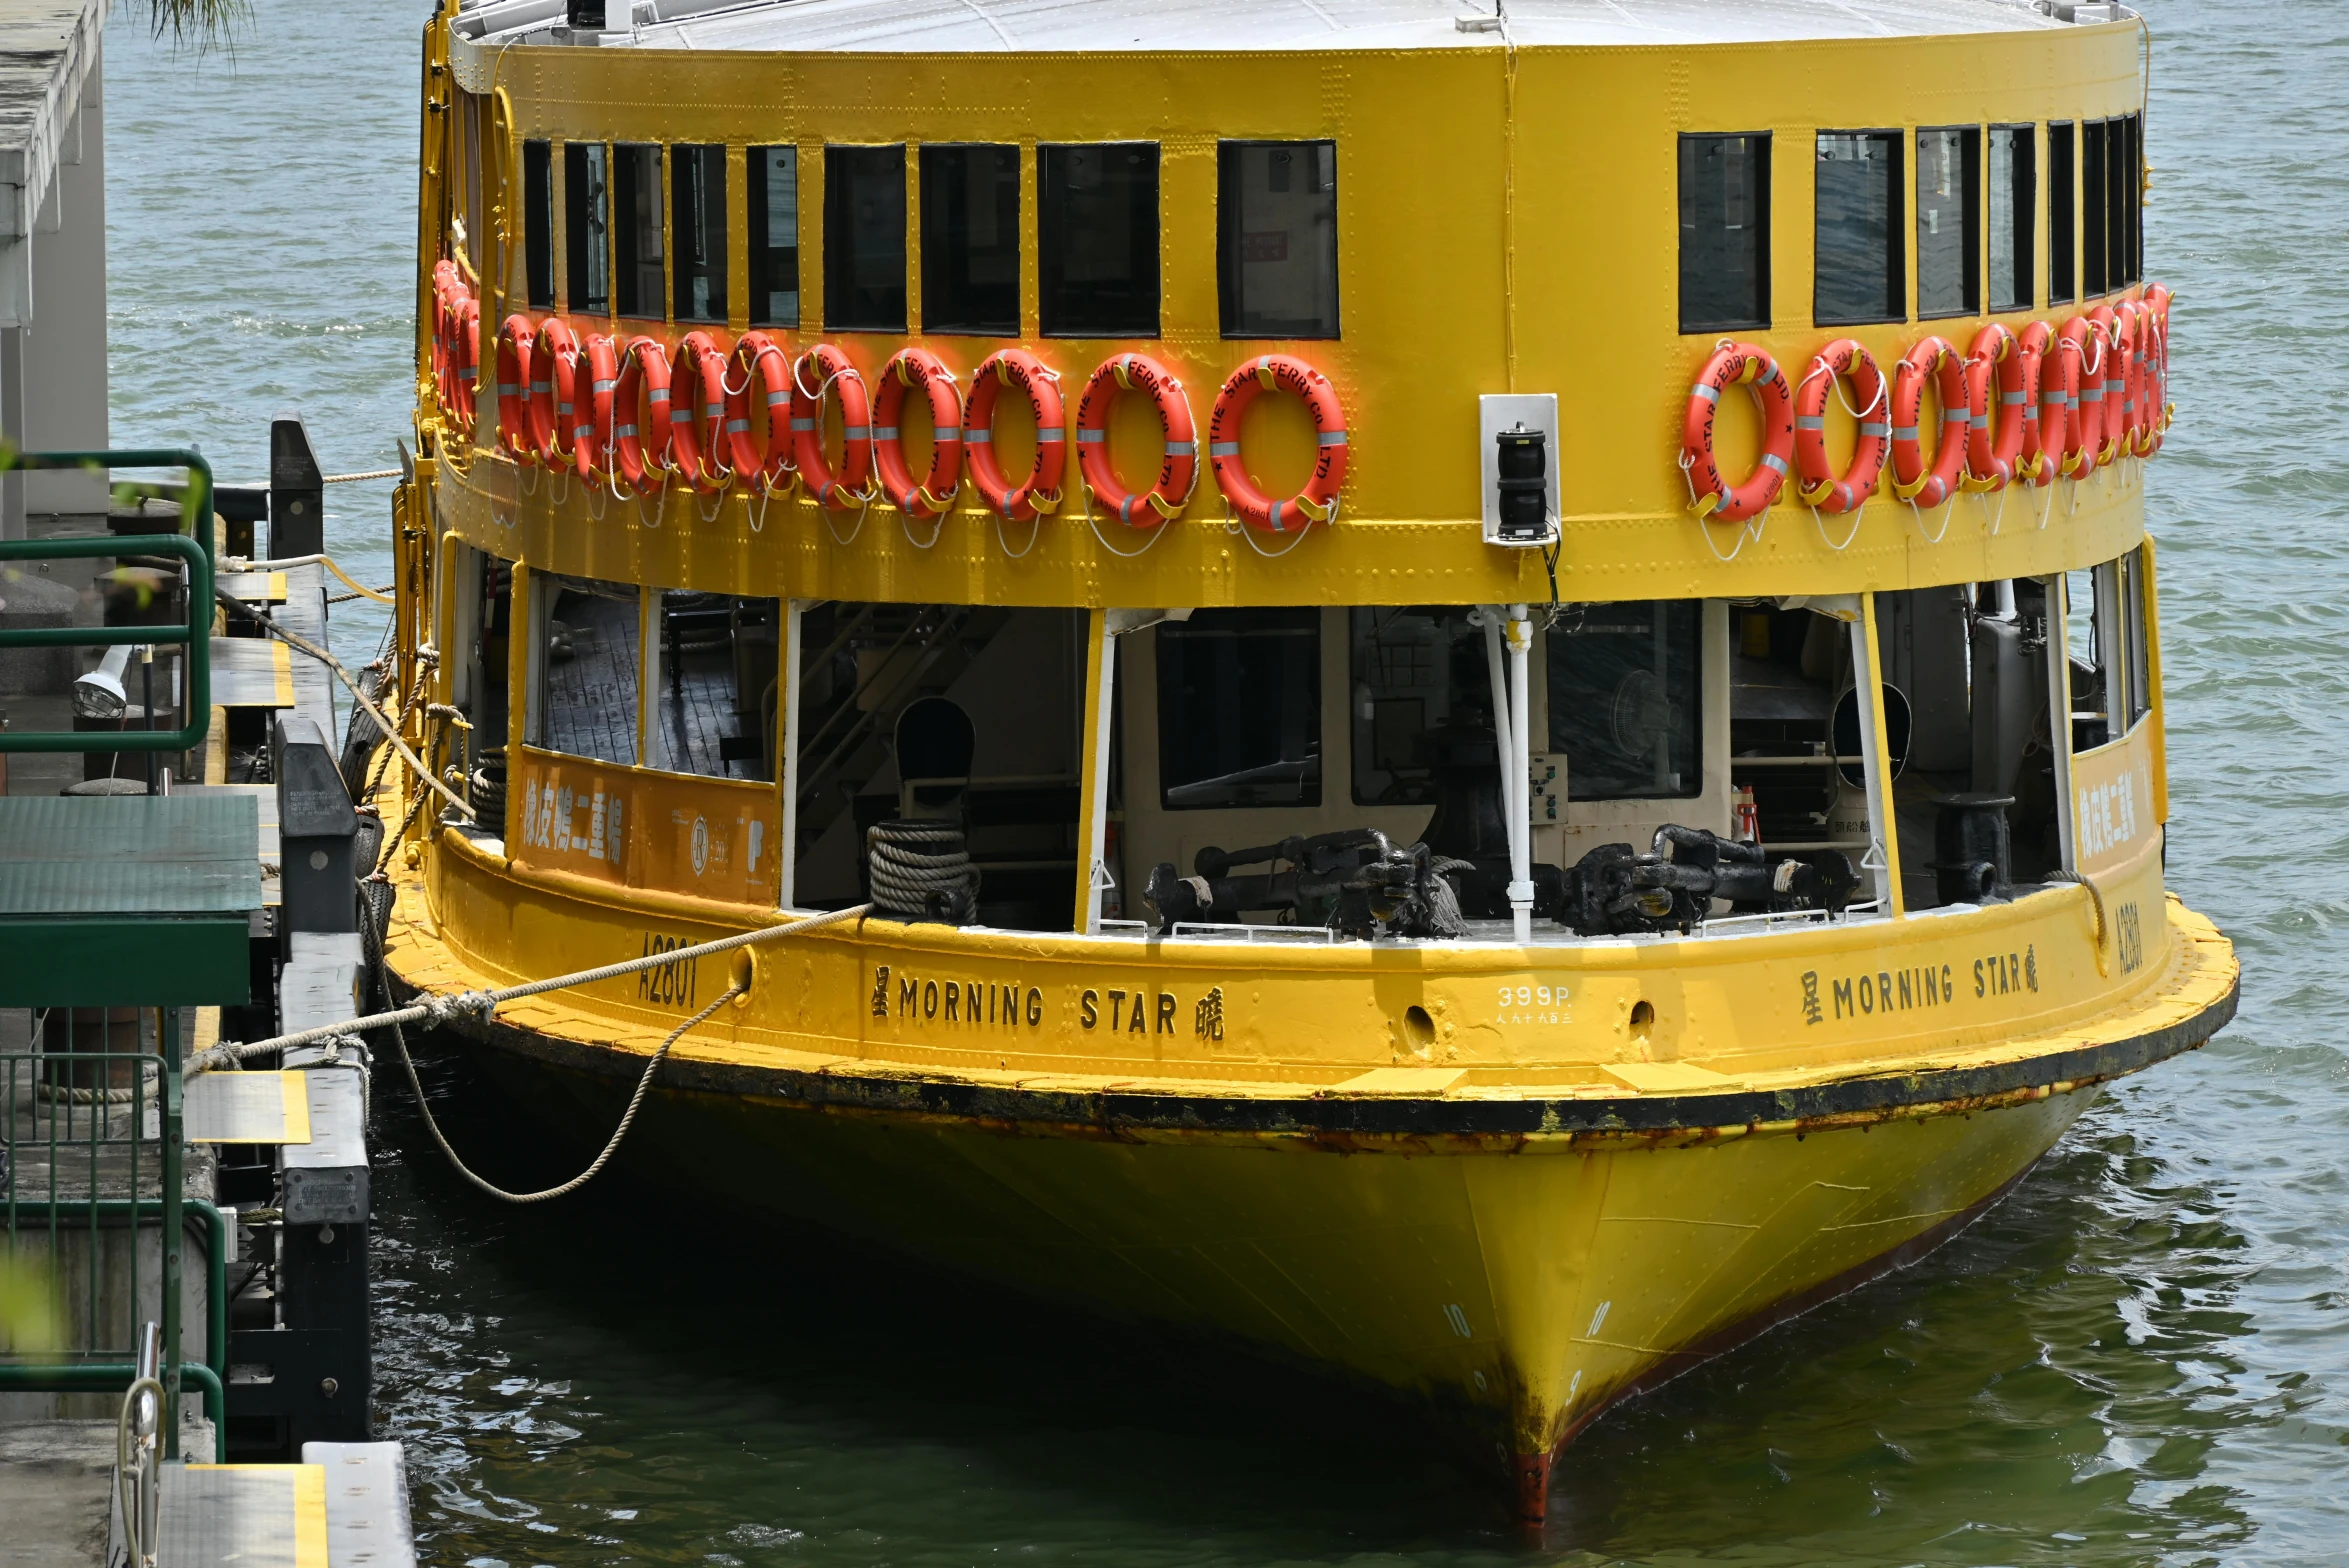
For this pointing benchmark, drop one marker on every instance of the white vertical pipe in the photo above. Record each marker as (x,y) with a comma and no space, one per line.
(787,765)
(1505,746)
(2059,712)
(1883,830)
(1517,769)
(1097,828)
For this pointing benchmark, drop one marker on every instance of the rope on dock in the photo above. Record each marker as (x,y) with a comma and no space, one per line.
(288,563)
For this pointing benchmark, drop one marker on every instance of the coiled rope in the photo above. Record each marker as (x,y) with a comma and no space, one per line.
(921,870)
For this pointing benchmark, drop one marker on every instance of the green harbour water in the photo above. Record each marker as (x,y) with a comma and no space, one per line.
(2141,1357)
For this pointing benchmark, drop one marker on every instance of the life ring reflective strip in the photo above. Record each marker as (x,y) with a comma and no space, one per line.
(759,368)
(1178,467)
(554,363)
(1317,502)
(641,422)
(1912,481)
(934,492)
(699,442)
(1817,483)
(593,382)
(1711,497)
(821,370)
(1039,491)
(516,438)
(2001,406)
(2083,342)
(2057,371)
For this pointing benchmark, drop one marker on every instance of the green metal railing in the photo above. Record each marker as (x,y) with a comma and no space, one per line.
(86,1134)
(193,546)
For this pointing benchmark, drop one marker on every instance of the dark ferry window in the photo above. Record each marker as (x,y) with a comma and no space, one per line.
(587,208)
(1097,240)
(1626,699)
(2095,277)
(2132,594)
(1277,234)
(1949,224)
(971,240)
(697,227)
(2063,285)
(2124,185)
(538,222)
(638,280)
(1418,672)
(2014,204)
(774,236)
(1239,709)
(1724,232)
(864,239)
(1860,261)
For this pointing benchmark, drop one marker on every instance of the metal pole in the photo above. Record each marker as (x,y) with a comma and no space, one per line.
(787,765)
(1883,828)
(167,1046)
(1100,688)
(1517,768)
(2059,715)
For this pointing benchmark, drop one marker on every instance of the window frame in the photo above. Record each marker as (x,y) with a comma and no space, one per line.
(936,283)
(2024,201)
(1227,260)
(1050,197)
(1972,229)
(1896,228)
(1759,223)
(755,223)
(538,224)
(627,286)
(2063,214)
(681,272)
(836,227)
(583,221)
(2095,203)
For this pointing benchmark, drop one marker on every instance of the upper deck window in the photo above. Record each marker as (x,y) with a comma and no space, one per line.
(2124,193)
(2014,202)
(638,276)
(2095,258)
(2063,285)
(697,176)
(587,207)
(864,239)
(971,239)
(1097,240)
(1859,260)
(1626,701)
(774,236)
(538,222)
(1239,709)
(1277,235)
(1724,232)
(1949,221)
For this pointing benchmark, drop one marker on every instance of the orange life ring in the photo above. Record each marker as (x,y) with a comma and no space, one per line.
(2000,377)
(593,381)
(464,362)
(1934,360)
(554,361)
(2057,372)
(1710,496)
(1178,468)
(2130,324)
(516,335)
(2084,341)
(934,492)
(448,288)
(2116,386)
(820,370)
(1039,491)
(699,439)
(758,361)
(1817,483)
(641,429)
(2157,364)
(1318,501)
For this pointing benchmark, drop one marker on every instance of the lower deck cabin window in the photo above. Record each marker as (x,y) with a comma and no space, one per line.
(1419,677)
(1277,238)
(1949,206)
(864,239)
(1097,240)
(639,277)
(1861,270)
(1626,699)
(2063,230)
(971,239)
(698,175)
(714,687)
(587,210)
(2105,636)
(1239,709)
(587,668)
(1724,232)
(538,223)
(2014,202)
(773,210)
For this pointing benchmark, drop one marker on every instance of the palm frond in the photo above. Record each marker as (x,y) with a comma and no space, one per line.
(201,23)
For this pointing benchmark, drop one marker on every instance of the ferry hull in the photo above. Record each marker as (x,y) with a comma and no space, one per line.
(1518,1288)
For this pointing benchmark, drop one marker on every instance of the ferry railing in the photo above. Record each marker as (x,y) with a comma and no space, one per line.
(193,547)
(91,1156)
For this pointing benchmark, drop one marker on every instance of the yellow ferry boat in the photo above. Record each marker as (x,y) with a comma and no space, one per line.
(1622,792)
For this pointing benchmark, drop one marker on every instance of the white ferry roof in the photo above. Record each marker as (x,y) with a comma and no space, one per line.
(1072,26)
